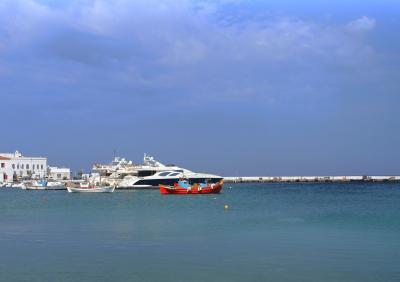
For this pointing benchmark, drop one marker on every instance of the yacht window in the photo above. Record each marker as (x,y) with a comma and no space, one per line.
(143,173)
(164,173)
(174,174)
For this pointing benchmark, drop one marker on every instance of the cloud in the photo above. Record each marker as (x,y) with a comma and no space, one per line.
(361,25)
(174,47)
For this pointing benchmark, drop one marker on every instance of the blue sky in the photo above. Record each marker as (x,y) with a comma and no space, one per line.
(230,87)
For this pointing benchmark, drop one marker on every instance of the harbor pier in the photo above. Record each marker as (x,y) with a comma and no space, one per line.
(287,179)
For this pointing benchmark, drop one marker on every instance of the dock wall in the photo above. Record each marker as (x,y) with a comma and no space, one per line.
(254,179)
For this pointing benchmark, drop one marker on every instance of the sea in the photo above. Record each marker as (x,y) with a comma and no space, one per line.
(249,232)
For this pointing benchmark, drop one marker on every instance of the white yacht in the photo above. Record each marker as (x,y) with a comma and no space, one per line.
(150,174)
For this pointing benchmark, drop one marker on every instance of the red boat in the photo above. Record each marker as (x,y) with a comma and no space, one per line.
(181,188)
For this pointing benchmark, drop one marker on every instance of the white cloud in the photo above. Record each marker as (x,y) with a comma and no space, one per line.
(361,25)
(178,45)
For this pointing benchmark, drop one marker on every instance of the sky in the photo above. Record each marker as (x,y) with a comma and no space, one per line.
(230,87)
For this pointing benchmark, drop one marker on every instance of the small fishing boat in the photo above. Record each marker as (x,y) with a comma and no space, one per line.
(15,185)
(32,188)
(44,185)
(55,185)
(183,188)
(36,185)
(20,185)
(87,187)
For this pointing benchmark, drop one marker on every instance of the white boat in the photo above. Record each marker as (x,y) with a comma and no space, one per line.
(17,185)
(35,185)
(87,188)
(44,185)
(28,187)
(55,185)
(150,174)
(167,178)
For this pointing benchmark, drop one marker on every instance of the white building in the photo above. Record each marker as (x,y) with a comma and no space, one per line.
(58,173)
(14,166)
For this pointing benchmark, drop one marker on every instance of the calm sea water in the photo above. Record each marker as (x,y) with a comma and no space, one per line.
(271,232)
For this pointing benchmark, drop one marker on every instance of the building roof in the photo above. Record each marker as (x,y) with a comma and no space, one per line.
(4,158)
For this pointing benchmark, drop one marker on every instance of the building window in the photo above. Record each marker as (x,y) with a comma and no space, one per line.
(17,166)
(59,175)
(41,166)
(27,166)
(13,166)
(22,166)
(3,165)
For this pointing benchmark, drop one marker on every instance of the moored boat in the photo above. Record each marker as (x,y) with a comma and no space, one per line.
(16,185)
(36,185)
(183,188)
(44,185)
(88,188)
(55,185)
(149,175)
(33,188)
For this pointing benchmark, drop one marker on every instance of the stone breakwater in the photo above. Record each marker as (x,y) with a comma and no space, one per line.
(344,179)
